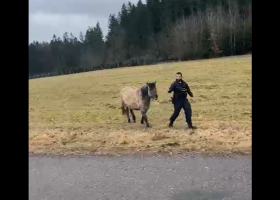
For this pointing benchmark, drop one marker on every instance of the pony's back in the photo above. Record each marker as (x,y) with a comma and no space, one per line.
(130,97)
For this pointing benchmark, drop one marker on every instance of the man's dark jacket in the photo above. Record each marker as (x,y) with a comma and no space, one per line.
(180,90)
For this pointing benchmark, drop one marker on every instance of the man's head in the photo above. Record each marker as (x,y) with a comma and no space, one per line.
(178,76)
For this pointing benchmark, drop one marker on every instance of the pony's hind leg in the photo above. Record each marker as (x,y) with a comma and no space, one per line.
(127,115)
(133,116)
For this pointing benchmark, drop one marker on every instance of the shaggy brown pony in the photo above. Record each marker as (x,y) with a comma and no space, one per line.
(133,98)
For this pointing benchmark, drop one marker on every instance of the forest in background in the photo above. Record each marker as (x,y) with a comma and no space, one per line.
(147,33)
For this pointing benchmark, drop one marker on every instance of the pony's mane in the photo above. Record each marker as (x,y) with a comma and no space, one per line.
(144,91)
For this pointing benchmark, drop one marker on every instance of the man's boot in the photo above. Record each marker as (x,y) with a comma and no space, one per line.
(170,124)
(190,126)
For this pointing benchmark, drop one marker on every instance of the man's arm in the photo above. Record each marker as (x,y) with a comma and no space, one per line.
(171,88)
(189,90)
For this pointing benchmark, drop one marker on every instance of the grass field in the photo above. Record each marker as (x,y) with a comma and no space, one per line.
(81,113)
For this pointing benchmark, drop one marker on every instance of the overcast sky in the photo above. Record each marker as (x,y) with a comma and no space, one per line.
(48,17)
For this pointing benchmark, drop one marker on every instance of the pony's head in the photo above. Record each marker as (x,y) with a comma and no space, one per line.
(152,90)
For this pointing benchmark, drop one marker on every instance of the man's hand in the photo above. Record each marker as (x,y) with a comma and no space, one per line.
(191,98)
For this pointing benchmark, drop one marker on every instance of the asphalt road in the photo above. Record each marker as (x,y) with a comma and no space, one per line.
(142,178)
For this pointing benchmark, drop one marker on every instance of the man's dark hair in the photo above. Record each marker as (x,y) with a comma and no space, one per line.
(179,73)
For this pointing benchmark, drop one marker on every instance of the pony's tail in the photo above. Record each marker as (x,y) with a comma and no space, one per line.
(123,107)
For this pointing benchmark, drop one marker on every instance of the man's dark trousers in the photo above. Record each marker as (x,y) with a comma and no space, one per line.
(178,105)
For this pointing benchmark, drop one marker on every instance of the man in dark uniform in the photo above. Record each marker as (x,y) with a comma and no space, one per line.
(180,90)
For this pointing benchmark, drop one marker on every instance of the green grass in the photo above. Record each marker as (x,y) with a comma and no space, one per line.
(81,113)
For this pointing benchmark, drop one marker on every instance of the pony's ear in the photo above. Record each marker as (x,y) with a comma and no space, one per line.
(155,82)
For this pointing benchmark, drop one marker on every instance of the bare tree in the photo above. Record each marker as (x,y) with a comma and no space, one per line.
(233,16)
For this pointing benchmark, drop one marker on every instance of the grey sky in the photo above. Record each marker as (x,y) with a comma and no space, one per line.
(48,17)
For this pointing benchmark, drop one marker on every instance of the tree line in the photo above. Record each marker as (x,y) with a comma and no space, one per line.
(147,33)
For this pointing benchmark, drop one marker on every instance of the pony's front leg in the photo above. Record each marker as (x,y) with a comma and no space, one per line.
(144,118)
